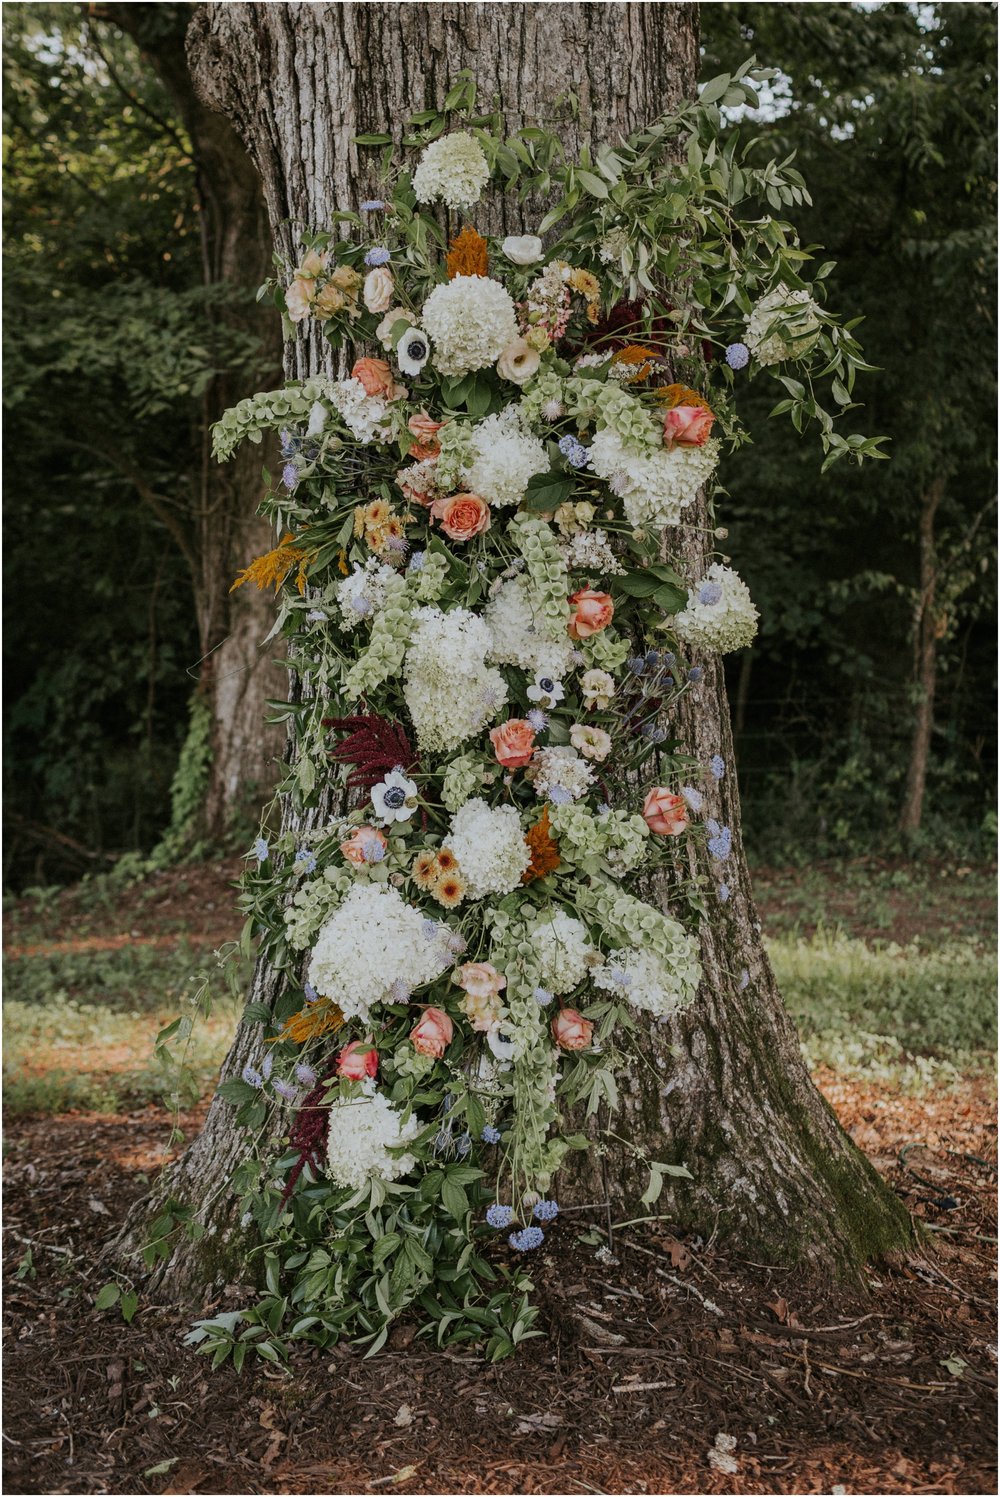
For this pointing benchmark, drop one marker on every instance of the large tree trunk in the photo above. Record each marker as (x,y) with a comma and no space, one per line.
(925,639)
(235,676)
(733,1100)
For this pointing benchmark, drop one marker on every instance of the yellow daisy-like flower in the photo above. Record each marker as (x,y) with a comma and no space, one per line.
(449,890)
(447,861)
(376,513)
(425,870)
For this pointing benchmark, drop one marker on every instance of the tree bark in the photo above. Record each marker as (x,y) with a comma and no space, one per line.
(925,638)
(235,677)
(727,1092)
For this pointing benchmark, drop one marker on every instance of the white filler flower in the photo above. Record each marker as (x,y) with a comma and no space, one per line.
(452,169)
(490,847)
(361,1131)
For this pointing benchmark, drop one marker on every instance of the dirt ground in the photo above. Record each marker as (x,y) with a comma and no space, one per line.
(667,1364)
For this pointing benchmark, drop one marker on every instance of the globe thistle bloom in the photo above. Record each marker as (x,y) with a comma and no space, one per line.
(737,356)
(526,1239)
(377,255)
(499,1216)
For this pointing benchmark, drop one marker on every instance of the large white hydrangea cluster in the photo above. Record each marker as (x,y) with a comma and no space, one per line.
(376,948)
(361,1131)
(450,691)
(559,774)
(719,615)
(363,414)
(563,950)
(470,320)
(795,313)
(366,591)
(655,485)
(490,847)
(506,457)
(452,169)
(645,981)
(519,636)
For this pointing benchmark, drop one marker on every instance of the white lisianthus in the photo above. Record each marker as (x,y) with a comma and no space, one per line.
(470,321)
(719,615)
(378,289)
(598,688)
(522,249)
(452,169)
(518,362)
(384,330)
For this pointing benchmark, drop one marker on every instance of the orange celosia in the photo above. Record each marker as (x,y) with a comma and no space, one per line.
(680,395)
(544,850)
(321,1017)
(639,358)
(467,254)
(274,566)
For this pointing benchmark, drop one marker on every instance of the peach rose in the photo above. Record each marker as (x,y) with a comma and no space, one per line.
(425,430)
(298,298)
(571,1031)
(378,289)
(513,743)
(375,375)
(687,426)
(480,979)
(366,845)
(432,1035)
(665,812)
(354,1065)
(462,516)
(592,612)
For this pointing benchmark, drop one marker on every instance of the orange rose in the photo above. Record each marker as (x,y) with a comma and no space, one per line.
(357,1060)
(375,375)
(592,612)
(366,845)
(665,812)
(432,1035)
(425,430)
(513,743)
(571,1031)
(462,516)
(687,426)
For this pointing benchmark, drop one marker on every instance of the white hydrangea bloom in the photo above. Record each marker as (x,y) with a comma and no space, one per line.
(644,980)
(374,948)
(506,457)
(470,321)
(452,169)
(719,615)
(562,947)
(793,311)
(560,774)
(590,551)
(361,413)
(365,591)
(360,1132)
(656,485)
(519,636)
(449,690)
(489,844)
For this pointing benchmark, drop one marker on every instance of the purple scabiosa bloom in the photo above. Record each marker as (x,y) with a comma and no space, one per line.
(430,930)
(306,859)
(499,1216)
(724,892)
(252,1077)
(399,992)
(526,1239)
(372,205)
(305,1074)
(737,356)
(490,1135)
(717,766)
(289,444)
(546,1211)
(309,993)
(261,851)
(559,795)
(542,996)
(377,255)
(709,593)
(694,798)
(289,475)
(286,1090)
(538,719)
(744,981)
(695,674)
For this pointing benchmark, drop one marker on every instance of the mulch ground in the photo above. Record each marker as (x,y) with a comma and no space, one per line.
(667,1365)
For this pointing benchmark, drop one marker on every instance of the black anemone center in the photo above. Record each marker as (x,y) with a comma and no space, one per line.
(546,683)
(394,797)
(415,349)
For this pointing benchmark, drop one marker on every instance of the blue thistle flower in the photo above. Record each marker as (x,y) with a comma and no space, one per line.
(546,1211)
(695,674)
(377,255)
(490,1135)
(499,1216)
(526,1239)
(737,356)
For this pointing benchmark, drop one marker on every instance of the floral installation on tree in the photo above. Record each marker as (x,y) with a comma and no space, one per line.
(490,633)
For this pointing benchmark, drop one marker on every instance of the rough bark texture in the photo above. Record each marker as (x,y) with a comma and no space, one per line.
(726,1090)
(925,638)
(235,676)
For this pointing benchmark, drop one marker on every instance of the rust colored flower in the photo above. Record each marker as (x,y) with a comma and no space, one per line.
(321,1017)
(467,254)
(544,850)
(271,569)
(674,395)
(639,359)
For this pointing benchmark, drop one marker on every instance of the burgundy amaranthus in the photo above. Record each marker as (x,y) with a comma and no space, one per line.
(373,745)
(308,1133)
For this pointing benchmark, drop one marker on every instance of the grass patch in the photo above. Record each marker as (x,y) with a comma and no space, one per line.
(912,1016)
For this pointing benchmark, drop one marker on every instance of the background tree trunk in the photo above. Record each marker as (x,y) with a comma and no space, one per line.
(235,677)
(727,1092)
(925,640)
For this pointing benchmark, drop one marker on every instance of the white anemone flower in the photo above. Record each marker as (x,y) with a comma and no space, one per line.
(500,1043)
(413,350)
(546,691)
(394,798)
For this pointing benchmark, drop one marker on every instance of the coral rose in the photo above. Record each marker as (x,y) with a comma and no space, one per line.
(687,426)
(378,289)
(366,845)
(592,612)
(665,812)
(462,516)
(571,1031)
(354,1065)
(375,375)
(425,430)
(432,1035)
(513,743)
